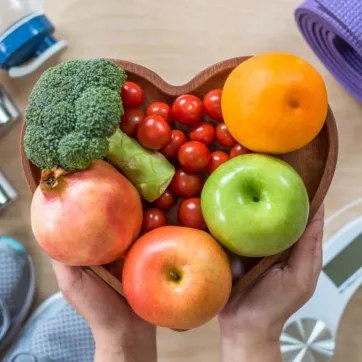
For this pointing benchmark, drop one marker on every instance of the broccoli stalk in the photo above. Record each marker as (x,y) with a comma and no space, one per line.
(73,119)
(150,172)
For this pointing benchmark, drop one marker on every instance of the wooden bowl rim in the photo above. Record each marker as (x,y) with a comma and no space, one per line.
(190,87)
(175,90)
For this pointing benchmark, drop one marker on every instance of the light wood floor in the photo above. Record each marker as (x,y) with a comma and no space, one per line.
(178,39)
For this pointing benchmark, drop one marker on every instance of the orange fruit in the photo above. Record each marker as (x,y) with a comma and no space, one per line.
(274,103)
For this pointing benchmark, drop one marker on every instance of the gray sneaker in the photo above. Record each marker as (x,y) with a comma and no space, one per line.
(54,333)
(17,288)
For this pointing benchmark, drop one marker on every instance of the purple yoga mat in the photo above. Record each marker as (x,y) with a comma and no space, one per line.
(333,29)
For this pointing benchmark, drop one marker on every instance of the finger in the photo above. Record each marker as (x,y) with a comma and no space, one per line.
(89,295)
(71,281)
(318,261)
(75,281)
(68,277)
(306,257)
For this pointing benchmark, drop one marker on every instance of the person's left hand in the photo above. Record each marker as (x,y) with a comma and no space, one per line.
(251,323)
(117,330)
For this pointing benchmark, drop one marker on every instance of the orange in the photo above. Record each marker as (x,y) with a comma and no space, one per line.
(274,103)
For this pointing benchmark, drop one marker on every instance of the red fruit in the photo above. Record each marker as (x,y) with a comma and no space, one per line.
(190,215)
(223,135)
(84,218)
(130,121)
(177,139)
(153,219)
(193,156)
(132,95)
(166,200)
(160,109)
(188,109)
(238,150)
(217,158)
(203,132)
(186,184)
(153,133)
(212,104)
(177,277)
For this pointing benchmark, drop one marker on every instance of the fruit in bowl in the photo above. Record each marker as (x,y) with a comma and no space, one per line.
(82,218)
(177,277)
(168,191)
(274,103)
(255,205)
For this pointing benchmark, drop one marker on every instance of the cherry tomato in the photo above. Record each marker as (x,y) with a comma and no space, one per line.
(152,219)
(188,109)
(193,156)
(160,109)
(203,132)
(238,150)
(130,121)
(177,139)
(223,135)
(186,184)
(153,132)
(212,104)
(166,200)
(217,158)
(190,215)
(132,95)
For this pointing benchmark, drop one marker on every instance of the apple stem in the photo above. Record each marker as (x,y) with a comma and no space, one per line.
(174,276)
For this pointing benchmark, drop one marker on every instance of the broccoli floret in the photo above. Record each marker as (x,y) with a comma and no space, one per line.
(103,74)
(36,140)
(95,104)
(72,110)
(77,152)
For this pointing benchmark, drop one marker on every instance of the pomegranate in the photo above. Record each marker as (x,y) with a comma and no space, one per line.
(88,217)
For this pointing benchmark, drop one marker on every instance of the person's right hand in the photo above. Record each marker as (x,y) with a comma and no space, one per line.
(251,324)
(119,334)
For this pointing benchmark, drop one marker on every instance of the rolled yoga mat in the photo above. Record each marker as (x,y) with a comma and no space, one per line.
(333,29)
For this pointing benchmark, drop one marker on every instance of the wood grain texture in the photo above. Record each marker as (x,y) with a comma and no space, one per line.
(315,162)
(177,40)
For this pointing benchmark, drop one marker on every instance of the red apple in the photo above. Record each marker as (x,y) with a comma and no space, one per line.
(177,277)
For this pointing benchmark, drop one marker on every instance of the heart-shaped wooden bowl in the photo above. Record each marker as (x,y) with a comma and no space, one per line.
(316,162)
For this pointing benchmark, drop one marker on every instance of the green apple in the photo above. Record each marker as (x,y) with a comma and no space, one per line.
(255,205)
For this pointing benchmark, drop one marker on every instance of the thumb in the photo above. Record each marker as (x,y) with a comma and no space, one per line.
(306,258)
(68,277)
(90,296)
(71,281)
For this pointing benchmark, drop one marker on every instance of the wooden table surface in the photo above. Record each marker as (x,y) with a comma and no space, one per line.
(178,39)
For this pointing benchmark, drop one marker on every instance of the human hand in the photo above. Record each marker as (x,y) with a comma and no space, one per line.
(251,324)
(119,334)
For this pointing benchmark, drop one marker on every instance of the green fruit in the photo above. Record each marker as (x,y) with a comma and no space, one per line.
(255,205)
